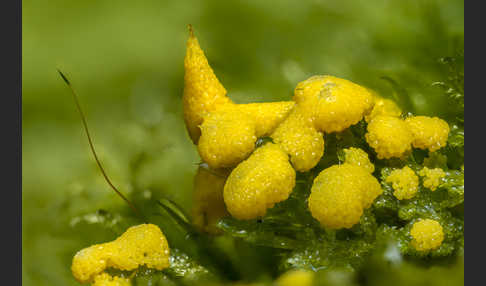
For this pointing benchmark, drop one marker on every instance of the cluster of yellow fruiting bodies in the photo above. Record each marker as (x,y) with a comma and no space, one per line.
(225,134)
(140,245)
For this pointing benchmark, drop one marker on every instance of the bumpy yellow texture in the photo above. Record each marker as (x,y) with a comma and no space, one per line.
(140,245)
(383,106)
(404,182)
(105,279)
(257,183)
(203,92)
(428,132)
(208,199)
(333,104)
(300,140)
(340,193)
(227,138)
(432,177)
(427,235)
(358,157)
(228,134)
(389,136)
(267,116)
(296,278)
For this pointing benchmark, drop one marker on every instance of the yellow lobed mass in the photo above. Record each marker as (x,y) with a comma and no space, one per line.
(267,116)
(296,277)
(427,234)
(139,245)
(432,177)
(340,193)
(208,199)
(383,106)
(389,136)
(358,157)
(228,137)
(259,182)
(404,182)
(428,132)
(332,103)
(105,279)
(300,140)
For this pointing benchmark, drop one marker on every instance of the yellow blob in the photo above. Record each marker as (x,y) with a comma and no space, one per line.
(389,136)
(340,193)
(358,157)
(267,116)
(259,182)
(432,177)
(427,235)
(140,245)
(383,106)
(227,138)
(203,92)
(404,182)
(296,277)
(300,140)
(428,132)
(105,279)
(332,103)
(208,199)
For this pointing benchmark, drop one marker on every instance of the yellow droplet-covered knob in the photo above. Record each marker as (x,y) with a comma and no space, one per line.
(340,193)
(404,183)
(427,234)
(389,136)
(259,182)
(428,132)
(332,103)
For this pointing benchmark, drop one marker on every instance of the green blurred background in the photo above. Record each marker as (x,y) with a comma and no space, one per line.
(125,59)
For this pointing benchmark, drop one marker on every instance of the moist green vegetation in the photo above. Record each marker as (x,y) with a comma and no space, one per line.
(125,61)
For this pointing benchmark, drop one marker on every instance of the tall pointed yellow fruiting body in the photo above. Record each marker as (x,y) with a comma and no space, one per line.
(203,92)
(208,198)
(139,245)
(259,182)
(427,234)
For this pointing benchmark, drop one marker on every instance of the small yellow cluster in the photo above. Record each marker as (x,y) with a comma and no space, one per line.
(428,132)
(105,279)
(340,193)
(392,136)
(143,244)
(257,183)
(427,235)
(296,277)
(432,177)
(389,136)
(404,182)
(358,157)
